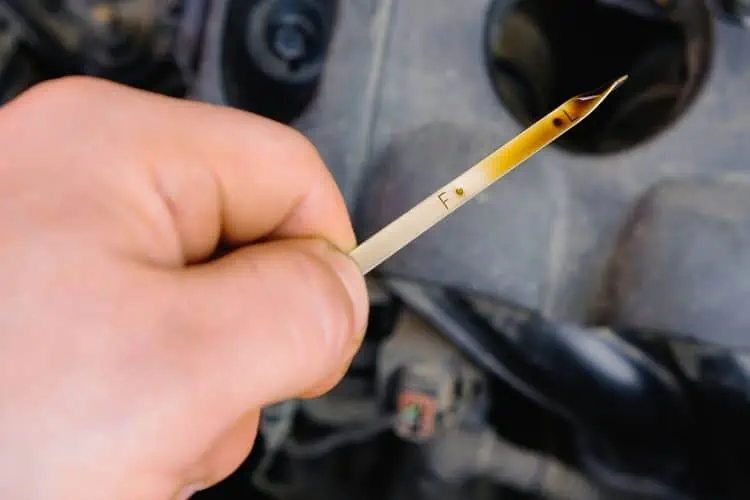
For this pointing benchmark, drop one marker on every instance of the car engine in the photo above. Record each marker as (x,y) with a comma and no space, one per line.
(577,332)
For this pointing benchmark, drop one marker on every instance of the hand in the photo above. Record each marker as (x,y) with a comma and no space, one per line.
(132,365)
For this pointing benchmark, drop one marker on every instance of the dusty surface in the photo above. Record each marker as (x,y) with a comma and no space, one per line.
(406,104)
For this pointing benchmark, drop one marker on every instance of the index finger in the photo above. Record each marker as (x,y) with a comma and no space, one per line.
(221,173)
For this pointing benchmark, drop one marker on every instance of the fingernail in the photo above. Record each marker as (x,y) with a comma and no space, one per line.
(354,282)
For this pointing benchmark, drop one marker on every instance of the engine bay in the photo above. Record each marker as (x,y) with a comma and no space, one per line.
(577,332)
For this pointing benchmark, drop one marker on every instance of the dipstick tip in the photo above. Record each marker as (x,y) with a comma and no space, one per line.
(618,82)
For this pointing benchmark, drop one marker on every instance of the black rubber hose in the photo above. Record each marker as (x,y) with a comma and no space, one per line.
(611,391)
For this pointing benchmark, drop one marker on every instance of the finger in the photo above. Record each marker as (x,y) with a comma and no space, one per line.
(217,172)
(224,457)
(330,381)
(269,322)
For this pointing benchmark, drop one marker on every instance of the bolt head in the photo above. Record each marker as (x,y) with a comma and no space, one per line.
(289,43)
(293,37)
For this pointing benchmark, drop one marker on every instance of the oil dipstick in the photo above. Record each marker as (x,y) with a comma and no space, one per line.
(466,186)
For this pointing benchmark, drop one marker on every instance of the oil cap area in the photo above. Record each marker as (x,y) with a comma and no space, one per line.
(538,53)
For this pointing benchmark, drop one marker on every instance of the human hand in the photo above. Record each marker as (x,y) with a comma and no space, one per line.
(133,366)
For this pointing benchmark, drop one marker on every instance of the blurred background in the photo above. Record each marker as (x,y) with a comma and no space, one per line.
(581,329)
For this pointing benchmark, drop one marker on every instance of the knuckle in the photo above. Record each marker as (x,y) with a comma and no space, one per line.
(305,150)
(63,90)
(47,103)
(304,144)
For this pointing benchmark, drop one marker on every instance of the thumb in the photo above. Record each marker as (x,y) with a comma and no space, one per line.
(272,321)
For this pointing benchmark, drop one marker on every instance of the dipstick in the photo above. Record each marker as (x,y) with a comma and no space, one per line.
(466,186)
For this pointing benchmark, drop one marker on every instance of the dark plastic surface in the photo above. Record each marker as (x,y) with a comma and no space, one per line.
(682,262)
(544,236)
